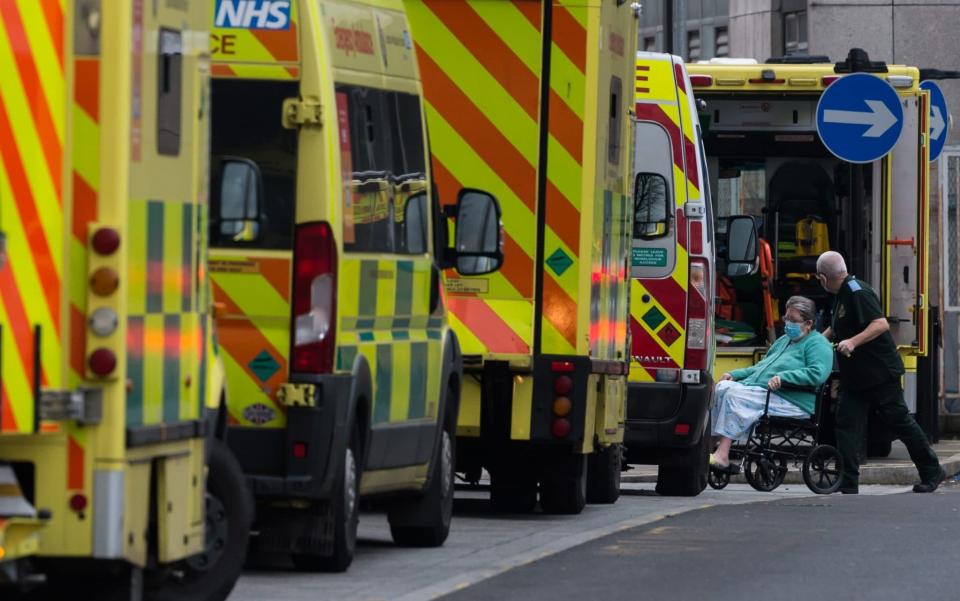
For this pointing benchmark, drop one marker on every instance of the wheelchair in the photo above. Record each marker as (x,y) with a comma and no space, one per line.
(774,442)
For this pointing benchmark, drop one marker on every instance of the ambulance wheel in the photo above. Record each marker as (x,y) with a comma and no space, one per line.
(210,576)
(425,521)
(565,494)
(508,495)
(604,467)
(686,473)
(346,517)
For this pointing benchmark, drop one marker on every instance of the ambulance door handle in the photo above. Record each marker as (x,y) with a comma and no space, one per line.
(906,274)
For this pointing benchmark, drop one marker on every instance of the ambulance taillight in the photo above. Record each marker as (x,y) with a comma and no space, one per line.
(314,298)
(697,317)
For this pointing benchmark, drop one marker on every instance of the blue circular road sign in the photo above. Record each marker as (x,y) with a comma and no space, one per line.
(939,118)
(859,118)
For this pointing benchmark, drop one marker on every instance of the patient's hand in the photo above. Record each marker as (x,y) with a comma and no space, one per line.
(726,376)
(774,383)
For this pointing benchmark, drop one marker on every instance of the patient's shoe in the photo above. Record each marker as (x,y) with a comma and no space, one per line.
(730,468)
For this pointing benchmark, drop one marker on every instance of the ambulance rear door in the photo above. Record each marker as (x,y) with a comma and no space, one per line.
(904,226)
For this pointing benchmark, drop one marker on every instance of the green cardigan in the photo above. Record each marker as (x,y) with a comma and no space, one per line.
(807,362)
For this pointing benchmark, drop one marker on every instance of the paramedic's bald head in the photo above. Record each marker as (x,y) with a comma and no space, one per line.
(831,271)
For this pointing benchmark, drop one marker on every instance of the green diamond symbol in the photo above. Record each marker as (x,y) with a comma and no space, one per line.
(653,318)
(264,366)
(559,261)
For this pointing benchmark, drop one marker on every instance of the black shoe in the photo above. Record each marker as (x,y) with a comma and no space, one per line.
(931,485)
(849,490)
(731,469)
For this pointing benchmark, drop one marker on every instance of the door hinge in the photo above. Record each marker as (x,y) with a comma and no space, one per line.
(297,113)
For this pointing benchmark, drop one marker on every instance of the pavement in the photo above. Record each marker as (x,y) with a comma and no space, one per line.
(896,469)
(840,547)
(484,545)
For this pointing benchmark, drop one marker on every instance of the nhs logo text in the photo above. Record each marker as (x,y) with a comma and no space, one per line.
(253,14)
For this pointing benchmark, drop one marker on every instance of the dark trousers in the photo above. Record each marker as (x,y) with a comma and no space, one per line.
(887,398)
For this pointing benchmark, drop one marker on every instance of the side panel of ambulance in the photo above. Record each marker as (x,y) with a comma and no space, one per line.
(672,267)
(343,375)
(108,363)
(545,338)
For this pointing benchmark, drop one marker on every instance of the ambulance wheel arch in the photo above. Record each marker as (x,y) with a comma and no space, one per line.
(359,410)
(449,408)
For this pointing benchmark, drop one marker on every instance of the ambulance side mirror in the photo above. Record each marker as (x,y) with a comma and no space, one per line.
(742,255)
(240,200)
(651,206)
(478,240)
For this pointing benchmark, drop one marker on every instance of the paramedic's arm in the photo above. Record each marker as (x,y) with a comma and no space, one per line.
(874,328)
(828,333)
(867,310)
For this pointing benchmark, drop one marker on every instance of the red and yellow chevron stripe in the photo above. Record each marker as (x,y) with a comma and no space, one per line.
(658,326)
(32,124)
(480,63)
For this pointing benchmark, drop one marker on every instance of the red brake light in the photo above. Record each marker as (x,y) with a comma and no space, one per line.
(78,502)
(829,79)
(561,427)
(102,362)
(314,298)
(698,319)
(561,366)
(106,241)
(696,237)
(563,385)
(299,450)
(682,429)
(701,81)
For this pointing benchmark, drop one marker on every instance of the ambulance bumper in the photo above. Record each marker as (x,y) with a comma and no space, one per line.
(299,461)
(665,416)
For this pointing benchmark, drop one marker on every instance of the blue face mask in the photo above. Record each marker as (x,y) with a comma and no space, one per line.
(792,329)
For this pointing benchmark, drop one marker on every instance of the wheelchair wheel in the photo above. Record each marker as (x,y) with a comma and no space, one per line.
(765,473)
(821,470)
(717,480)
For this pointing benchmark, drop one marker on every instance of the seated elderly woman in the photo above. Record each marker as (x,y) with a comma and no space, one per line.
(799,358)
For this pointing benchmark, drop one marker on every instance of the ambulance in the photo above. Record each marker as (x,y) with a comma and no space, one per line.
(780,193)
(531,100)
(327,245)
(114,480)
(672,287)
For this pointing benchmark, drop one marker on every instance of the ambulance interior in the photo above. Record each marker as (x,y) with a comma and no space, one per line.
(766,162)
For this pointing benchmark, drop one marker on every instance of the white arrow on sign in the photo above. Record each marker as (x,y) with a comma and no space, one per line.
(938,123)
(879,118)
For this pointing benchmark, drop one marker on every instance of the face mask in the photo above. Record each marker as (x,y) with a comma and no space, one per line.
(792,329)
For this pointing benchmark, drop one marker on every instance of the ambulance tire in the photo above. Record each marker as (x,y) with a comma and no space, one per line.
(346,516)
(565,494)
(687,478)
(603,475)
(513,495)
(229,514)
(425,521)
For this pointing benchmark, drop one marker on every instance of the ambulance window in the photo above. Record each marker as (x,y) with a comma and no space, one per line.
(169,91)
(613,136)
(415,225)
(407,135)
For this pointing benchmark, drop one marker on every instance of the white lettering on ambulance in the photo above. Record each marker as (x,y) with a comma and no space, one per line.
(253,14)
